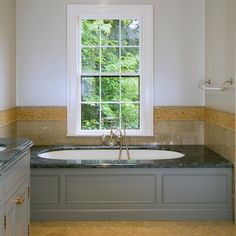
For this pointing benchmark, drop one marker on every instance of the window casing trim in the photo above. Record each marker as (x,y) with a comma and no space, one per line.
(77,12)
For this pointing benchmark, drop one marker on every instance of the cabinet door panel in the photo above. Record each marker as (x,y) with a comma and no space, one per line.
(22,211)
(16,211)
(10,217)
(1,220)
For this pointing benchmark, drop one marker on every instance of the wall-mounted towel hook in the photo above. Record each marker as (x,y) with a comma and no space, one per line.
(230,81)
(204,83)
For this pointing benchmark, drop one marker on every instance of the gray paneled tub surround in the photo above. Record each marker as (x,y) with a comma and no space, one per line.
(196,186)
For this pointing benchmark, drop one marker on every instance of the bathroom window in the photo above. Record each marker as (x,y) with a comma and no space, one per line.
(110,69)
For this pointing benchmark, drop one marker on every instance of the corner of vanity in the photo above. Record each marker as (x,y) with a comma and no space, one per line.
(14,186)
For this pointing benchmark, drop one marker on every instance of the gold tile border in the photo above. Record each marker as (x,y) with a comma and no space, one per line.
(8,116)
(179,113)
(220,118)
(160,113)
(41,113)
(185,113)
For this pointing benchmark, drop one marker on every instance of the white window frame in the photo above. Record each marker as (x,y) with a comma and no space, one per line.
(76,12)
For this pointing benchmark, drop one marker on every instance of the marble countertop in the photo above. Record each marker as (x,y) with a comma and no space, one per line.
(196,156)
(11,149)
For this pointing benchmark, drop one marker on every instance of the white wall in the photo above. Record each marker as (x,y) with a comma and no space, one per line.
(7,54)
(41,44)
(220,51)
(179,51)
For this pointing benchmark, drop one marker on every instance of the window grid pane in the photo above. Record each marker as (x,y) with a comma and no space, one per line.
(111,102)
(90,89)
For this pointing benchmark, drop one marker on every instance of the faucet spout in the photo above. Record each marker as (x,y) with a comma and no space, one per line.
(126,145)
(116,138)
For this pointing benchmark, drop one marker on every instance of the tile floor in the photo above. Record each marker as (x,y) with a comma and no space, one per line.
(133,228)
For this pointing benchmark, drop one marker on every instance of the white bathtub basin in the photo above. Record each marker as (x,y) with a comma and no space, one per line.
(101,154)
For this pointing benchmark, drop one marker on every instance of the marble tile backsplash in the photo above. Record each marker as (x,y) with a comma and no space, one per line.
(8,116)
(165,132)
(221,140)
(172,125)
(219,132)
(42,113)
(219,118)
(8,130)
(179,113)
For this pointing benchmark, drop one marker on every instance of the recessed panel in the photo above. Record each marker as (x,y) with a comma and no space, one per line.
(45,189)
(110,189)
(194,189)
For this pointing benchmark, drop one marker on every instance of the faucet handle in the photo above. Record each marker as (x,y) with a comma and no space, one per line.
(110,140)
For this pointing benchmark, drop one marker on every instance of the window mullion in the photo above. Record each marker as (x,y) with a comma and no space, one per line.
(100,78)
(120,72)
(79,71)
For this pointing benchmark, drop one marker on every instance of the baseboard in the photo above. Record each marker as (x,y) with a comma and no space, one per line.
(131,214)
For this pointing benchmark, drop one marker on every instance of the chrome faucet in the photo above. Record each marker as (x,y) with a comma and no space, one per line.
(115,138)
(112,139)
(126,143)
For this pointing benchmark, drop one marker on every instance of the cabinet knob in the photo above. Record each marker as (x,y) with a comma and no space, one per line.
(19,201)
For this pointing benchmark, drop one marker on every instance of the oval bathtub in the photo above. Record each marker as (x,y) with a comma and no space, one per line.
(110,154)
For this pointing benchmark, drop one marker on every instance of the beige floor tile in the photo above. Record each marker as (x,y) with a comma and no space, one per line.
(133,228)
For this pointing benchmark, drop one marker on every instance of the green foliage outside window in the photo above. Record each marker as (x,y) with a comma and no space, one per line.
(110,51)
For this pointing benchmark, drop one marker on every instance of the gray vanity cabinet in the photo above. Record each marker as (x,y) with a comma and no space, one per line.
(9,217)
(15,198)
(16,212)
(1,220)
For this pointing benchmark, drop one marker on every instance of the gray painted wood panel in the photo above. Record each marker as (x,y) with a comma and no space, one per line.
(1,220)
(110,189)
(45,189)
(138,194)
(194,188)
(15,182)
